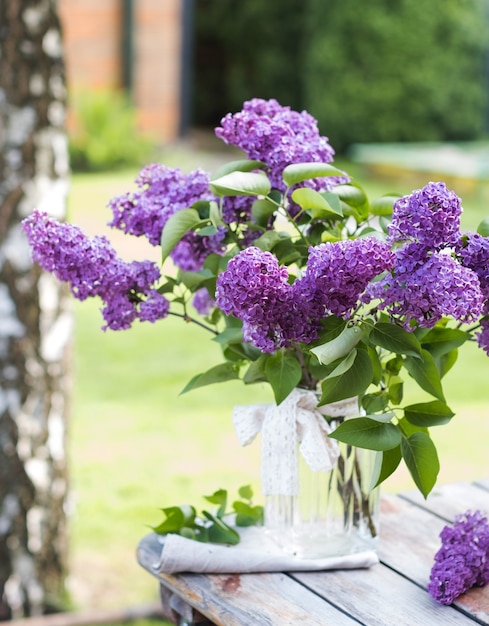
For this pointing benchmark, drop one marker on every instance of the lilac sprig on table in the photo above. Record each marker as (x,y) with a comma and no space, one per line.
(462,562)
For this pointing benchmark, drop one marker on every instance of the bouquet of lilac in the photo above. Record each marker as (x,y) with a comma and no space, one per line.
(303,281)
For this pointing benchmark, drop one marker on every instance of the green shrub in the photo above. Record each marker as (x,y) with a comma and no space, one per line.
(396,71)
(246,50)
(107,137)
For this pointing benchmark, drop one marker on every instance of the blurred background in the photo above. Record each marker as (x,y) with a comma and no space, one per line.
(401,90)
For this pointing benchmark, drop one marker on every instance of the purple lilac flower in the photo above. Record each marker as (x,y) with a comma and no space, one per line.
(255,289)
(483,334)
(429,216)
(203,302)
(338,273)
(462,561)
(190,252)
(423,288)
(162,191)
(92,268)
(253,278)
(278,136)
(473,252)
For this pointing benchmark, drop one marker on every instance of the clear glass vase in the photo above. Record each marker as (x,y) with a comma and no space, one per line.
(334,513)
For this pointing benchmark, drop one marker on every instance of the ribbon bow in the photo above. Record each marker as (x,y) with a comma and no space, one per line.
(297,419)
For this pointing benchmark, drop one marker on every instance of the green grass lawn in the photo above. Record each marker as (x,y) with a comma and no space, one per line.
(137,446)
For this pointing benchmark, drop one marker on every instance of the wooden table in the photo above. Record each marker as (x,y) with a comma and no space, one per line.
(391,593)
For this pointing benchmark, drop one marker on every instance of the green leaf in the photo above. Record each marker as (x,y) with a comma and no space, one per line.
(383,205)
(284,373)
(309,199)
(428,414)
(247,515)
(256,371)
(419,454)
(219,531)
(245,492)
(241,165)
(232,334)
(395,339)
(219,497)
(445,362)
(262,210)
(390,462)
(396,389)
(483,228)
(364,432)
(344,365)
(425,373)
(374,402)
(352,194)
(439,341)
(217,374)
(338,347)
(351,383)
(176,518)
(241,184)
(298,172)
(194,280)
(268,240)
(176,227)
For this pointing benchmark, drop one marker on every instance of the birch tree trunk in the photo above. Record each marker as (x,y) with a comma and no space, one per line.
(35,322)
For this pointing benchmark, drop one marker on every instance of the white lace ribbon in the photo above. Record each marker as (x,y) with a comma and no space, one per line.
(297,419)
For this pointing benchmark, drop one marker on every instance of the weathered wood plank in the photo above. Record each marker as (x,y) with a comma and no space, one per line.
(447,501)
(242,600)
(380,597)
(409,538)
(482,482)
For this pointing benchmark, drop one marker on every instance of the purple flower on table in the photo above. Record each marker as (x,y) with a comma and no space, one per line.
(423,288)
(429,216)
(462,561)
(278,136)
(92,268)
(338,273)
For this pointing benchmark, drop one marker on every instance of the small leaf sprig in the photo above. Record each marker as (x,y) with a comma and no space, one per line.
(217,526)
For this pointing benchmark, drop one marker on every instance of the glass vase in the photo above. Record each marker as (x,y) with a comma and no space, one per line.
(334,513)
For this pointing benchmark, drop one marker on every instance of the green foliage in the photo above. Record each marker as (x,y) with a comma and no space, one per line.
(107,137)
(382,72)
(396,71)
(246,50)
(216,526)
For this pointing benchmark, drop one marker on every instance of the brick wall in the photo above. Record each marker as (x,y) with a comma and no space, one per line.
(93,51)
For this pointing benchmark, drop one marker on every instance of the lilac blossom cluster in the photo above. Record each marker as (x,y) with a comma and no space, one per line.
(163,191)
(275,313)
(423,288)
(255,289)
(462,561)
(278,136)
(338,273)
(433,275)
(92,268)
(429,216)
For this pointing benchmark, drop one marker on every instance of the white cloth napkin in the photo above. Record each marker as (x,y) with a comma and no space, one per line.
(254,553)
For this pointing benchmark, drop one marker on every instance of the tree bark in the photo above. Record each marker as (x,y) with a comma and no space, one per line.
(35,320)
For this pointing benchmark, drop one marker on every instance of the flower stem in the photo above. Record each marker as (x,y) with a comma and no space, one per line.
(192,320)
